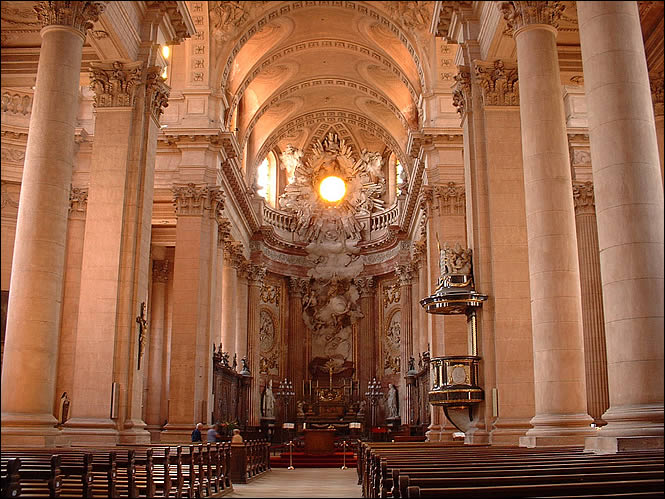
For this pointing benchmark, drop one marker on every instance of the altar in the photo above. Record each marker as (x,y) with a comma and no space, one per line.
(319,441)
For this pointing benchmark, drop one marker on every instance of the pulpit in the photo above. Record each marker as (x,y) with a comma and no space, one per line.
(320,441)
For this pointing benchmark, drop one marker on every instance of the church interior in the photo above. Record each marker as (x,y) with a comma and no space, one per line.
(415,221)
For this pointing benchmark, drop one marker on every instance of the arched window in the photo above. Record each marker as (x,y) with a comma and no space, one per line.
(265,179)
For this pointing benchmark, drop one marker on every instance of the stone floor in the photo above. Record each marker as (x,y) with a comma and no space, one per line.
(301,482)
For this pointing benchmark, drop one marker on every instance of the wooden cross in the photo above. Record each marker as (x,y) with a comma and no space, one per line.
(143,324)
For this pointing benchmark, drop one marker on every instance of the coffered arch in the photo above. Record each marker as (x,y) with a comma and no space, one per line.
(374,99)
(376,11)
(374,66)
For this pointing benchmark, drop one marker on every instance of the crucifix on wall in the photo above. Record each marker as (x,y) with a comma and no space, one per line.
(143,324)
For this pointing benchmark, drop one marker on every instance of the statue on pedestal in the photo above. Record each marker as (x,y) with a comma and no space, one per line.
(392,411)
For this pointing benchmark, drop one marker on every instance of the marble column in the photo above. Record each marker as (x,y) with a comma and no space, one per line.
(297,366)
(241,309)
(255,278)
(78,203)
(115,273)
(229,289)
(197,207)
(217,336)
(160,277)
(405,276)
(656,81)
(628,193)
(366,363)
(509,292)
(556,306)
(34,310)
(595,353)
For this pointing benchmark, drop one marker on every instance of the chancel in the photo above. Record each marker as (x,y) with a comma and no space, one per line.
(328,235)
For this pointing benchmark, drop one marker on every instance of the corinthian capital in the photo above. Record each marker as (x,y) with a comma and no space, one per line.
(157,92)
(160,270)
(192,199)
(462,91)
(656,82)
(114,84)
(519,14)
(298,286)
(78,202)
(366,285)
(583,198)
(405,274)
(498,84)
(256,274)
(78,15)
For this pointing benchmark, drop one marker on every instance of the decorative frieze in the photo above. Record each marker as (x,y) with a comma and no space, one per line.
(160,270)
(519,14)
(462,91)
(12,154)
(584,198)
(78,15)
(391,294)
(114,84)
(193,200)
(78,202)
(16,102)
(270,294)
(656,82)
(498,84)
(451,198)
(7,199)
(157,92)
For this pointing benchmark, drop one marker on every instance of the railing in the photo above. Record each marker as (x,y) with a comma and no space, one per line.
(377,223)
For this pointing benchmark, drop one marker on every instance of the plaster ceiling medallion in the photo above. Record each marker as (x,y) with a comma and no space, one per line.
(316,219)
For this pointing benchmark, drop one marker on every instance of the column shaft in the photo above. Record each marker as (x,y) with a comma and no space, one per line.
(160,272)
(629,208)
(297,369)
(229,288)
(595,352)
(33,316)
(255,279)
(556,307)
(241,313)
(71,293)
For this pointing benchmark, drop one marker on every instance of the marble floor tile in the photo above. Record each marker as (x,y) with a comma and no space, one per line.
(302,482)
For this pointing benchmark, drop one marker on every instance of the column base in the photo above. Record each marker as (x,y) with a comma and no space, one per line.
(644,420)
(613,445)
(134,433)
(89,432)
(155,433)
(508,431)
(558,430)
(28,430)
(178,433)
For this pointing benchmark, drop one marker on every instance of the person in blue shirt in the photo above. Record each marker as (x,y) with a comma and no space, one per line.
(196,434)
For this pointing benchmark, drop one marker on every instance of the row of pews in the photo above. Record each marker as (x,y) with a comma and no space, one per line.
(203,470)
(429,470)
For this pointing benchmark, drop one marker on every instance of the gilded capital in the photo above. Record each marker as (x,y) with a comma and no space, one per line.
(584,198)
(78,15)
(194,200)
(462,91)
(114,84)
(519,14)
(157,92)
(78,202)
(498,83)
